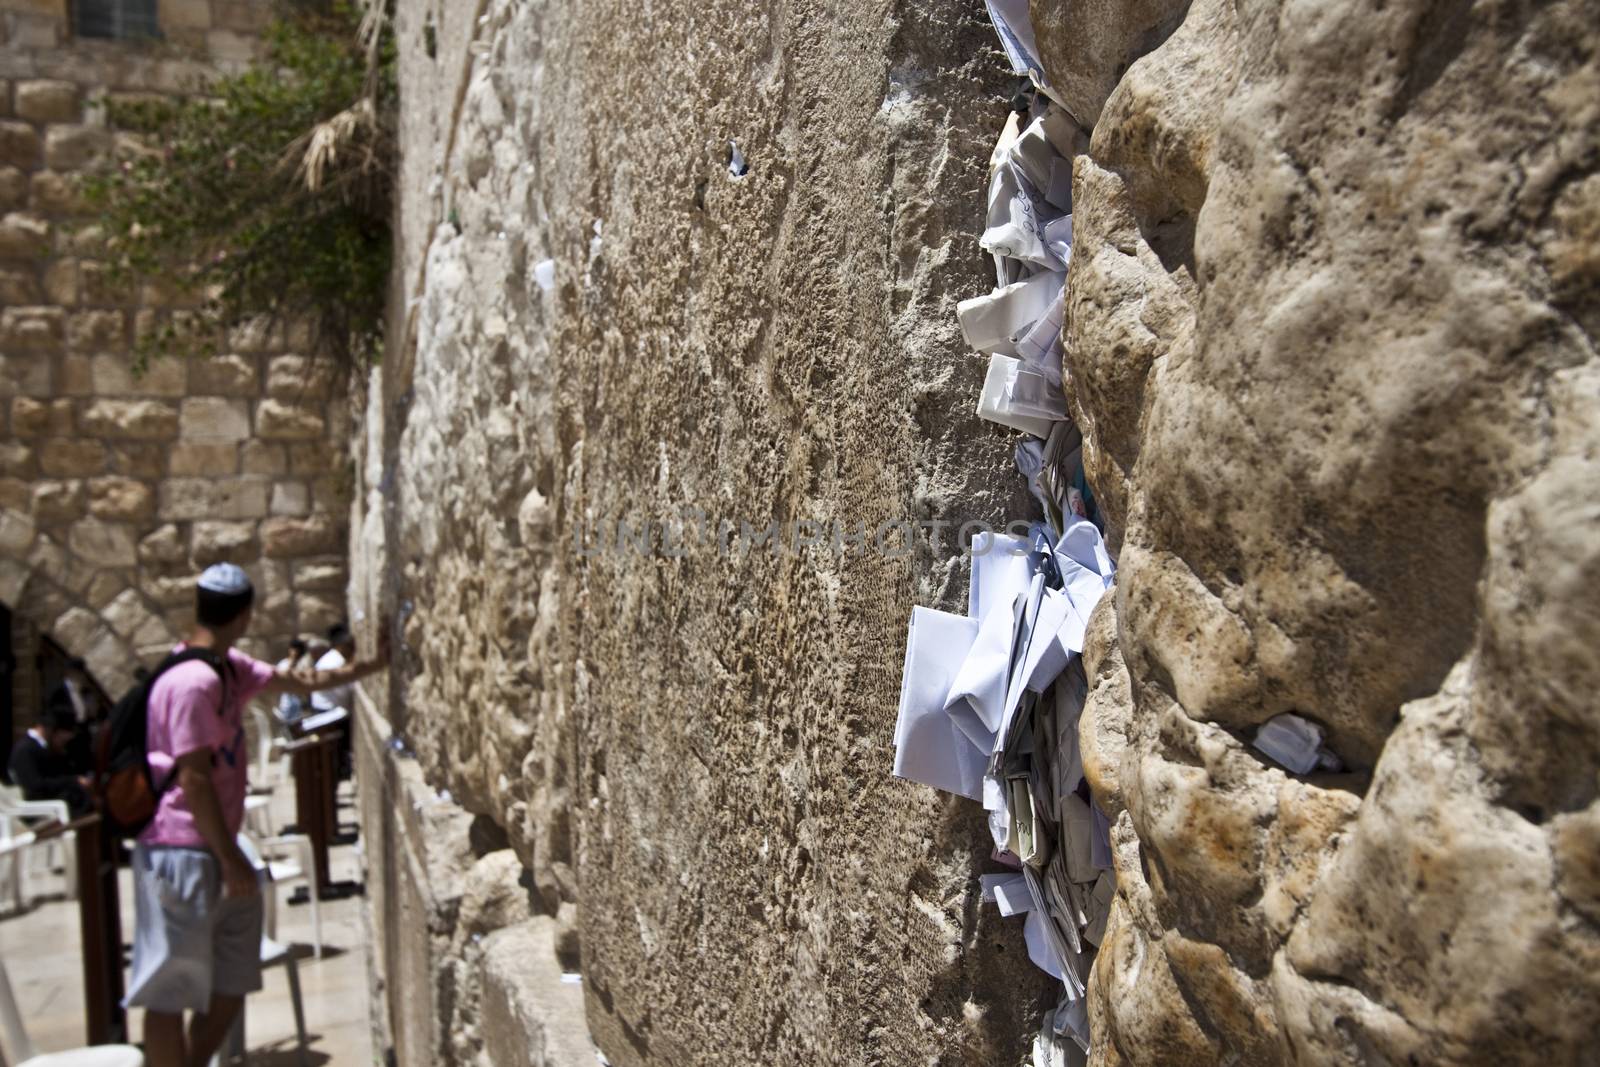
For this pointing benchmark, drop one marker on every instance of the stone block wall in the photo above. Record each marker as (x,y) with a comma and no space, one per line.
(117,486)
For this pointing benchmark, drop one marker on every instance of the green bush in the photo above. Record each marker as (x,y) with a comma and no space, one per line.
(266,192)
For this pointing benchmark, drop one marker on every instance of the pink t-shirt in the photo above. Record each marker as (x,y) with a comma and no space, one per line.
(183,718)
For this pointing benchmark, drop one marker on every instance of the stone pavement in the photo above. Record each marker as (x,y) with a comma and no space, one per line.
(40,950)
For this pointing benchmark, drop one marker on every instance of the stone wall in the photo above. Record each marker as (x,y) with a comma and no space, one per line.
(1331,339)
(690,756)
(116,486)
(1331,326)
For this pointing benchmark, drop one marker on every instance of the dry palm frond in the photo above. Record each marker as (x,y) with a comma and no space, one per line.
(328,138)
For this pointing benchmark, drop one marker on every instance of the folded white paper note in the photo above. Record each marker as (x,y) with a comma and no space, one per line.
(995,318)
(1000,570)
(929,747)
(994,405)
(977,694)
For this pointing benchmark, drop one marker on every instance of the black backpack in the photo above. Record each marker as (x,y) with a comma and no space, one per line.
(125,791)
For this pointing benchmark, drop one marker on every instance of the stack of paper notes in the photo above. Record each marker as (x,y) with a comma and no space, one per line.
(990,701)
(989,708)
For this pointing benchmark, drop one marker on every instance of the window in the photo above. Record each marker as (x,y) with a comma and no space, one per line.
(119,19)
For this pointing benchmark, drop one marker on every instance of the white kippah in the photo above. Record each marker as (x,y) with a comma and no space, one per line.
(226,578)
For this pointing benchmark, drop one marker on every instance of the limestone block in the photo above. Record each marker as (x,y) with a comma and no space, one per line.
(262,457)
(277,421)
(215,542)
(165,544)
(118,499)
(114,376)
(103,544)
(101,286)
(193,498)
(97,331)
(330,492)
(85,241)
(130,420)
(17,460)
(214,418)
(27,374)
(315,613)
(72,457)
(172,592)
(19,286)
(74,147)
(319,575)
(61,281)
(205,459)
(313,536)
(15,494)
(273,575)
(43,100)
(184,14)
(111,662)
(260,334)
(291,498)
(40,418)
(55,503)
(276,611)
(13,189)
(242,16)
(231,375)
(19,144)
(54,193)
(130,617)
(309,459)
(530,1017)
(76,377)
(147,462)
(32,329)
(225,46)
(300,378)
(76,628)
(105,586)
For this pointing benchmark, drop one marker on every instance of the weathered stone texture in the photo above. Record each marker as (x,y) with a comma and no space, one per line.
(1331,338)
(694,752)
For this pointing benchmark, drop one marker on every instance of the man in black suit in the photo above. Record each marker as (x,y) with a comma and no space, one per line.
(40,764)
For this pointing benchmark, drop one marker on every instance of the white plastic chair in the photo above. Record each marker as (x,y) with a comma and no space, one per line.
(293,864)
(62,849)
(24,1054)
(271,744)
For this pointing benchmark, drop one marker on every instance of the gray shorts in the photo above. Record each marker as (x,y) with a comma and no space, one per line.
(189,941)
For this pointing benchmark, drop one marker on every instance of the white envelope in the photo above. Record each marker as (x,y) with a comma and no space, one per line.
(929,748)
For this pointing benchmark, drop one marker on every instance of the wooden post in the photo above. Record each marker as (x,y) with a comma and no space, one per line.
(100,930)
(315,779)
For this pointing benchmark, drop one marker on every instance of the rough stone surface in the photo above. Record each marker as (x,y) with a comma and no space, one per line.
(772,348)
(276,421)
(1331,336)
(46,100)
(286,537)
(131,420)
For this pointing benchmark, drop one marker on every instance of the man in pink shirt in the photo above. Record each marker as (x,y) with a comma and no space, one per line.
(197,934)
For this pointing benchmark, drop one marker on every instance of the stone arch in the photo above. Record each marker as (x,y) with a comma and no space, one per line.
(95,612)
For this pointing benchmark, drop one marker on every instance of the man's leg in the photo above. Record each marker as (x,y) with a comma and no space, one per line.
(206,1032)
(163,1040)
